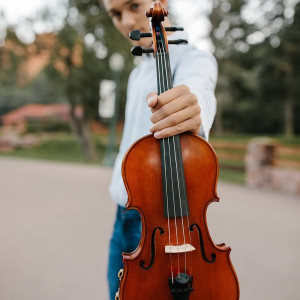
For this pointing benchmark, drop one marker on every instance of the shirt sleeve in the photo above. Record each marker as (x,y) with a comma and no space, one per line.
(198,70)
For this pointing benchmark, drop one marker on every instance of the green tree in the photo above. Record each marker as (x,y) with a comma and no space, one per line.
(258,56)
(15,87)
(279,73)
(80,62)
(12,54)
(235,84)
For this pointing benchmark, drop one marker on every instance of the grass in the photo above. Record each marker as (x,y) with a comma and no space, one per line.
(64,148)
(244,138)
(290,157)
(60,147)
(238,177)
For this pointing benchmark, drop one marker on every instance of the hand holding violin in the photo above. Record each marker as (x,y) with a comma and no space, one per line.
(174,111)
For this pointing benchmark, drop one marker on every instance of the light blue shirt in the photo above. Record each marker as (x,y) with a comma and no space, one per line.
(194,68)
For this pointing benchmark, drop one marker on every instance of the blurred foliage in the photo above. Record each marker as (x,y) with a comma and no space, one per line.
(84,46)
(40,90)
(81,61)
(52,125)
(13,92)
(259,68)
(258,87)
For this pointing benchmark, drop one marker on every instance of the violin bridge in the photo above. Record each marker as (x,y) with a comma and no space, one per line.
(179,249)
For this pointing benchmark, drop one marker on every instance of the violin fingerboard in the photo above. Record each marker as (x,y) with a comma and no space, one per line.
(174,188)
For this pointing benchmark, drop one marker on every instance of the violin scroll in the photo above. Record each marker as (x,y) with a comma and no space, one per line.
(157,12)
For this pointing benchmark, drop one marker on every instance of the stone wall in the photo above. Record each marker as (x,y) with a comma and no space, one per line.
(261,170)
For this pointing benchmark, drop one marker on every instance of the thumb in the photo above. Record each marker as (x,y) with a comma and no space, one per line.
(152,99)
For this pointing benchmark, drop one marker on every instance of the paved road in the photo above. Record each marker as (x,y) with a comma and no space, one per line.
(56,220)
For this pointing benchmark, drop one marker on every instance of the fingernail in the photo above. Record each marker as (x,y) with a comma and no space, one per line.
(157,135)
(151,99)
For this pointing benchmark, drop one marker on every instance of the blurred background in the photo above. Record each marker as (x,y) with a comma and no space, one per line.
(58,60)
(63,78)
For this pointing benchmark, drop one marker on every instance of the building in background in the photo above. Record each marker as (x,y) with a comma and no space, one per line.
(19,119)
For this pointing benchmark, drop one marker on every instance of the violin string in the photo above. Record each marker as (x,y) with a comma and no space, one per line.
(186,207)
(168,73)
(165,171)
(179,192)
(165,88)
(170,141)
(173,193)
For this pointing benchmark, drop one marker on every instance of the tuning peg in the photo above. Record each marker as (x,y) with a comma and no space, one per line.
(138,51)
(136,35)
(178,42)
(174,28)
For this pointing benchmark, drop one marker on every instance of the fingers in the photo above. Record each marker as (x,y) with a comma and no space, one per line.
(174,112)
(180,128)
(174,118)
(152,99)
(170,95)
(172,107)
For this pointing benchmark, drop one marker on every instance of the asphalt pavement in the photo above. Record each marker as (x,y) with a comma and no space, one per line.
(56,220)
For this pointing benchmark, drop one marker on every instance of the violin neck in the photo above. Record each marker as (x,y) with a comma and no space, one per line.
(164,74)
(174,188)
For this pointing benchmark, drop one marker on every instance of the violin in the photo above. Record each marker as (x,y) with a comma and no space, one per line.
(171,182)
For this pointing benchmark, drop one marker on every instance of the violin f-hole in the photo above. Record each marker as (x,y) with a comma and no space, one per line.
(152,259)
(213,255)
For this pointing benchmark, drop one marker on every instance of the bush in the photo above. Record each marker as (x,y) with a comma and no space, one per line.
(51,125)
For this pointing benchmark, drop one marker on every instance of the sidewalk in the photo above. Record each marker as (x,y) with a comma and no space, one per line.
(56,220)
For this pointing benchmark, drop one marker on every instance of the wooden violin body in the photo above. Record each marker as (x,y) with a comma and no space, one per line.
(147,270)
(171,182)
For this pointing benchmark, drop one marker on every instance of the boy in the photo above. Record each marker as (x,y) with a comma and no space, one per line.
(189,106)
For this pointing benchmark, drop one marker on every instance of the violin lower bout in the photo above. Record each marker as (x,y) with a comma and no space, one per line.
(148,269)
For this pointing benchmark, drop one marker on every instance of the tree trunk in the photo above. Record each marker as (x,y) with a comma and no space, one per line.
(289,117)
(219,116)
(81,128)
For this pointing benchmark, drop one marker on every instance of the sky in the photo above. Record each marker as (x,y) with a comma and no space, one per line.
(184,11)
(16,9)
(192,15)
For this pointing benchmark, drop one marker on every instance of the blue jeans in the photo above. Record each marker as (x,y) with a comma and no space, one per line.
(125,238)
